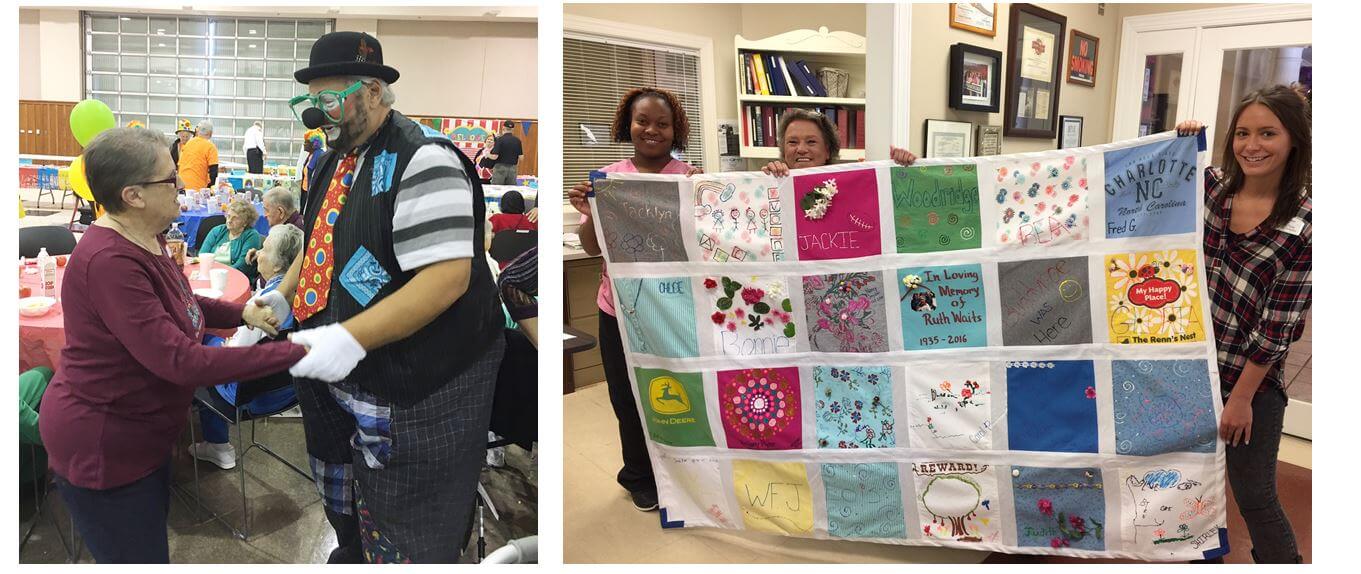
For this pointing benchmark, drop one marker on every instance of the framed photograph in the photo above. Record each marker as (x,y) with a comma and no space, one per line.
(975,78)
(1082,59)
(1034,64)
(989,141)
(975,17)
(1070,132)
(948,139)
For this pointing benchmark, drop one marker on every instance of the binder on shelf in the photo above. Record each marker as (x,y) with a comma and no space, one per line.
(772,75)
(860,129)
(812,79)
(802,81)
(788,79)
(841,128)
(763,87)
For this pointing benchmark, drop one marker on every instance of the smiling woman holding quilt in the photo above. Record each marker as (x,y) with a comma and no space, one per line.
(1258,245)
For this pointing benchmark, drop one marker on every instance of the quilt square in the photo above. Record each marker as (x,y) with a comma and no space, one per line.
(864,500)
(740,219)
(854,407)
(957,501)
(1154,297)
(1059,507)
(1163,406)
(943,307)
(761,408)
(750,315)
(1051,406)
(1171,509)
(1045,302)
(846,312)
(700,497)
(935,208)
(674,407)
(838,214)
(658,315)
(774,497)
(1042,203)
(1151,189)
(641,219)
(950,406)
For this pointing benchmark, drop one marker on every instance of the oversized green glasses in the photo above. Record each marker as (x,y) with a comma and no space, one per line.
(330,102)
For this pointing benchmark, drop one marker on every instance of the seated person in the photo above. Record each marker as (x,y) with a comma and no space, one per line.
(280,248)
(513,217)
(32,385)
(230,242)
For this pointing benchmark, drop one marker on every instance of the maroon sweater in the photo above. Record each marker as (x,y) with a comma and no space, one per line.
(133,356)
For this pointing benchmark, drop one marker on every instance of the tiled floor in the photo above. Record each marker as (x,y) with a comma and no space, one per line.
(287,522)
(601,525)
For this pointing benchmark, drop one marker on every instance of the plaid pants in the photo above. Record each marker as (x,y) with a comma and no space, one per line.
(410,473)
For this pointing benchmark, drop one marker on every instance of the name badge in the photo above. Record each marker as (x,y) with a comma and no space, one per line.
(1294,227)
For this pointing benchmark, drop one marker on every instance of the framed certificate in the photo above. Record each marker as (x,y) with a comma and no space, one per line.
(1070,131)
(948,139)
(1034,72)
(975,17)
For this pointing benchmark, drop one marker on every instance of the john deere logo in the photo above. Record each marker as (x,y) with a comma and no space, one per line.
(668,396)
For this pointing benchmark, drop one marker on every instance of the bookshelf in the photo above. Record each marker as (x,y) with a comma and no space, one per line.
(816,49)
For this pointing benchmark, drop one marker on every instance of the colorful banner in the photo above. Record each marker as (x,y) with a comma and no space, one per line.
(946,354)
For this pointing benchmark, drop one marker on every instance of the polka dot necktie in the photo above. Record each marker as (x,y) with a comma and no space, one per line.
(314,282)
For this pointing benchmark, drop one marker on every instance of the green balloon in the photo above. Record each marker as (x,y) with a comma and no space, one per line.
(88,118)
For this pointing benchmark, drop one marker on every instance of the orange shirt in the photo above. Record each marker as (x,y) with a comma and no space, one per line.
(195,157)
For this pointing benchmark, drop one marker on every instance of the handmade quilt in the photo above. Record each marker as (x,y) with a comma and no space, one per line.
(1008,353)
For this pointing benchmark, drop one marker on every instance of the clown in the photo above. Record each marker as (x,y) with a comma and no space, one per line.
(397,306)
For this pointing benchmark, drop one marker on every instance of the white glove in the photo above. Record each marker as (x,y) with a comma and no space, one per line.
(332,353)
(276,303)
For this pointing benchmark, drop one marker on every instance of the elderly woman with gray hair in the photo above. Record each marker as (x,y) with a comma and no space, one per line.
(281,246)
(809,139)
(230,242)
(134,354)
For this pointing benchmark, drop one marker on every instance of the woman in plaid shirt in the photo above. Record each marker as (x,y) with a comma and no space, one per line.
(1258,229)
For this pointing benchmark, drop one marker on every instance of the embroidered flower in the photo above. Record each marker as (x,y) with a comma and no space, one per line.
(717,317)
(1077,522)
(912,282)
(732,327)
(709,283)
(752,295)
(1091,392)
(1057,542)
(1046,507)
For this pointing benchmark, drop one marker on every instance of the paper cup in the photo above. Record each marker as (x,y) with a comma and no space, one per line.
(205,265)
(219,279)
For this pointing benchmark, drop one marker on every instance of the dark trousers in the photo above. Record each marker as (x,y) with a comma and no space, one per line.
(123,525)
(503,174)
(1252,474)
(255,160)
(636,475)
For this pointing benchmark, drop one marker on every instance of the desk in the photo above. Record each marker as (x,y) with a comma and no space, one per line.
(573,341)
(42,338)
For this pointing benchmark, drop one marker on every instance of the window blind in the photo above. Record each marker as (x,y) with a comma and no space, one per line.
(596,73)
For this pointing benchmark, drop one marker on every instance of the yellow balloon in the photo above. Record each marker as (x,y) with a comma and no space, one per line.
(77,177)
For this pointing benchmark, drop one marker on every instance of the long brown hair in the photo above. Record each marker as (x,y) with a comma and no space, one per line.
(1292,107)
(623,116)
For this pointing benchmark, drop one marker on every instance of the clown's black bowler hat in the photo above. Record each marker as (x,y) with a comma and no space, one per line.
(346,54)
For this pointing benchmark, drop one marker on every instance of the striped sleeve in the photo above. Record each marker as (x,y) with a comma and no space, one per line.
(433,217)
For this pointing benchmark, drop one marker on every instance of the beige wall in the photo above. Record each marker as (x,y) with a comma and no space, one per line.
(496,63)
(1144,9)
(464,68)
(932,37)
(721,22)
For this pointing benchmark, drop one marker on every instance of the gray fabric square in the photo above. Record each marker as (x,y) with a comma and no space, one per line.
(641,220)
(1045,302)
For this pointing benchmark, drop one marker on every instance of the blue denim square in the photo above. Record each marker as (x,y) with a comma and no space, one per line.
(1163,406)
(1059,507)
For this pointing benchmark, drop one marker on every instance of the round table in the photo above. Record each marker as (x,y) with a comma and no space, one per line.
(190,220)
(42,338)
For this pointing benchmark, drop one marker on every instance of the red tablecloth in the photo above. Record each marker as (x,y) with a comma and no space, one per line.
(42,338)
(28,176)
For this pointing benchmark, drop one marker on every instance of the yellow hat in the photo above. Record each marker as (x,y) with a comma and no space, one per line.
(184,126)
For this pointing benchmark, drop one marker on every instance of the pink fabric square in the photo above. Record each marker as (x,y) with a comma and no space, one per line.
(761,409)
(850,228)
